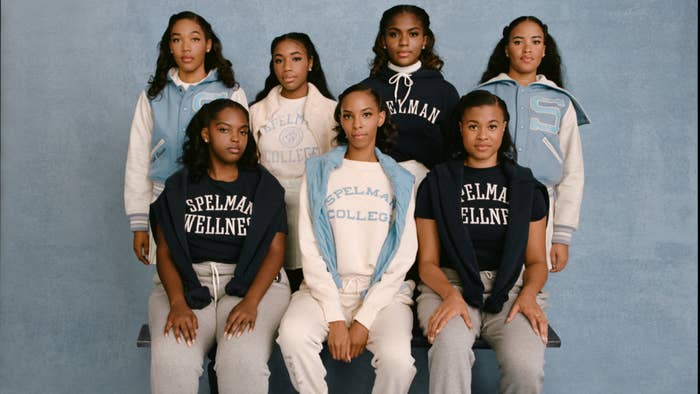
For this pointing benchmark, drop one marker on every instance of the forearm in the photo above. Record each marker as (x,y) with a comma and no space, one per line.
(167,272)
(269,269)
(433,277)
(534,278)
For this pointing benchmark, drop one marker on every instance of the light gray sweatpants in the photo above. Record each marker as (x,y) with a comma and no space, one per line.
(241,363)
(304,328)
(519,351)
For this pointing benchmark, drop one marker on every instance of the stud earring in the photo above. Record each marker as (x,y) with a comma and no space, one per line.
(423,47)
(309,68)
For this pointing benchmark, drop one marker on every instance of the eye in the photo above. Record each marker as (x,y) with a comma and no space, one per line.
(244,132)
(471,127)
(493,127)
(223,130)
(297,59)
(392,34)
(517,42)
(277,61)
(367,114)
(413,34)
(537,42)
(174,40)
(346,116)
(196,39)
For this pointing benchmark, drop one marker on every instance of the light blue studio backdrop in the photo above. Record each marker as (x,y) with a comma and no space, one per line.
(72,295)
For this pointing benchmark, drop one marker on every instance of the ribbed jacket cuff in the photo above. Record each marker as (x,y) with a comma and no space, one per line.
(562,234)
(332,313)
(138,222)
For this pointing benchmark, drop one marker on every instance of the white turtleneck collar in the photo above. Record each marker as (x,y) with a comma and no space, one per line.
(406,70)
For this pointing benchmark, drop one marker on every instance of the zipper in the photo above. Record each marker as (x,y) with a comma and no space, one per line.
(552,149)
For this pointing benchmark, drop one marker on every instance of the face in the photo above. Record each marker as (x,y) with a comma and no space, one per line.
(291,64)
(227,136)
(525,48)
(482,131)
(189,45)
(404,39)
(360,117)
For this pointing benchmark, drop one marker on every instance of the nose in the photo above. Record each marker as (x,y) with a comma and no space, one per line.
(235,136)
(403,39)
(481,134)
(287,65)
(357,122)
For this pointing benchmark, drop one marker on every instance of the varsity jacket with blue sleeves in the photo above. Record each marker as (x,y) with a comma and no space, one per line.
(544,120)
(400,242)
(157,136)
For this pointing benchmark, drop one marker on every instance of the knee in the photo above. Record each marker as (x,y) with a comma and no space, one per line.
(522,369)
(395,362)
(293,334)
(174,357)
(454,342)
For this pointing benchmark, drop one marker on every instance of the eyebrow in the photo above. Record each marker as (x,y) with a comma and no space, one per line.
(523,37)
(293,53)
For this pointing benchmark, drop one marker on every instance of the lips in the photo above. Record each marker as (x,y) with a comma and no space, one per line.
(233,150)
(186,59)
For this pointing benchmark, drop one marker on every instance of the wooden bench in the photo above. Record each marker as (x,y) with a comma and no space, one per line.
(419,340)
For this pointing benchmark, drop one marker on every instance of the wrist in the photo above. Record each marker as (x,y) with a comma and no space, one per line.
(178,302)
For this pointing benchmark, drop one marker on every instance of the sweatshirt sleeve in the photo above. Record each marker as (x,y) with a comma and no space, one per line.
(316,275)
(239,97)
(138,188)
(569,191)
(383,292)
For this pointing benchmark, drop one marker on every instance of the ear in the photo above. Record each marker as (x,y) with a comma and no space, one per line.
(209,44)
(382,118)
(205,134)
(425,41)
(311,63)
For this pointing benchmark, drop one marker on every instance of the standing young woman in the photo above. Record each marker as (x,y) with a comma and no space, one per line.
(406,73)
(190,71)
(220,225)
(292,121)
(481,255)
(525,71)
(357,239)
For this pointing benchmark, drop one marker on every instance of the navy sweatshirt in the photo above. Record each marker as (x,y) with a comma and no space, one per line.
(421,111)
(444,183)
(168,213)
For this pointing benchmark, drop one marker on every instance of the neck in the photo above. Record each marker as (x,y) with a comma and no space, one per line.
(523,79)
(301,91)
(485,163)
(362,154)
(223,172)
(193,76)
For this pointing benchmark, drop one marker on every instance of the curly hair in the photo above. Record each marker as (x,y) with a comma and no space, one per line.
(387,133)
(429,59)
(477,98)
(214,59)
(196,153)
(550,67)
(315,76)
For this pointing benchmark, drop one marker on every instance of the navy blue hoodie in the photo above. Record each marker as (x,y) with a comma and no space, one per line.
(168,212)
(421,108)
(443,184)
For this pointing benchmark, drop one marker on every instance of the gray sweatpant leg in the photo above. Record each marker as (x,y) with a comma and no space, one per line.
(241,363)
(519,351)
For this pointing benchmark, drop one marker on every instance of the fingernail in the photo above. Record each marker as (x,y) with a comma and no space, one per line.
(239,334)
(177,340)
